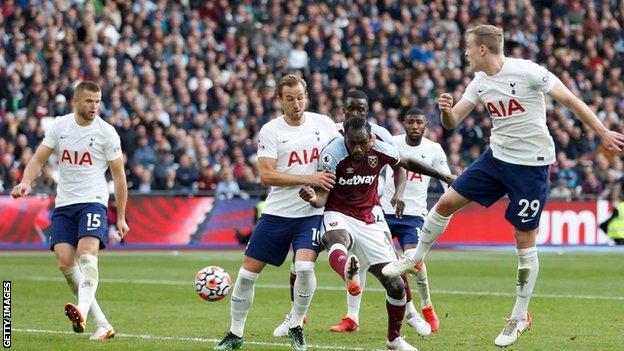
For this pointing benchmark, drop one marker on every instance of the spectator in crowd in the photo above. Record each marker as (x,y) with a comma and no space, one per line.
(227,187)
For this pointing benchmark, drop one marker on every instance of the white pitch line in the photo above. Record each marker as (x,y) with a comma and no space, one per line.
(336,288)
(182,338)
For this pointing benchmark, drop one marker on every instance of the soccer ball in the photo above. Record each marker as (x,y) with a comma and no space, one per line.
(212,283)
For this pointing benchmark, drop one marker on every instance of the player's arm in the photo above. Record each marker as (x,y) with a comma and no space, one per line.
(316,197)
(451,115)
(121,194)
(32,171)
(611,140)
(413,165)
(270,176)
(400,179)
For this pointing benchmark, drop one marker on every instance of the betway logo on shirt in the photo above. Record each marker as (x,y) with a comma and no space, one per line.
(357,180)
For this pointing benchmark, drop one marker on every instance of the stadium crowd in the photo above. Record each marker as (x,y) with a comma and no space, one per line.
(189,83)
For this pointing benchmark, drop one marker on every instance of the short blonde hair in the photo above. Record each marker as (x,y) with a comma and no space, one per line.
(488,35)
(290,80)
(86,85)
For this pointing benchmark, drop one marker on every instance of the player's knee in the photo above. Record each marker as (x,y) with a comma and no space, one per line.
(304,266)
(336,237)
(395,288)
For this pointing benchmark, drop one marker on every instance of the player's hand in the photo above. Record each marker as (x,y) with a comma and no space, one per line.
(448,178)
(613,141)
(307,194)
(323,180)
(445,103)
(20,190)
(398,204)
(122,228)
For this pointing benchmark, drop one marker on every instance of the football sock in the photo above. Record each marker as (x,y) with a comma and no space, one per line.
(293,277)
(427,235)
(88,284)
(528,268)
(396,313)
(242,297)
(305,284)
(73,276)
(338,259)
(422,284)
(353,302)
(410,310)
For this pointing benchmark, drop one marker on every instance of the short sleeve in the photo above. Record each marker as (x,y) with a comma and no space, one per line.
(113,146)
(539,78)
(51,136)
(471,94)
(267,143)
(329,157)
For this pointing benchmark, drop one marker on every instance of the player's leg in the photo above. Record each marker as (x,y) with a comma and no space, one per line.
(480,182)
(526,202)
(282,329)
(435,224)
(337,239)
(350,322)
(347,267)
(395,307)
(305,244)
(269,243)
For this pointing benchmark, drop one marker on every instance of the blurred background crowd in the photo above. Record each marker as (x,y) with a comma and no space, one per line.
(189,83)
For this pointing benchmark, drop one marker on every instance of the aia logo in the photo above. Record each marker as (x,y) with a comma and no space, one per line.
(503,110)
(76,158)
(304,158)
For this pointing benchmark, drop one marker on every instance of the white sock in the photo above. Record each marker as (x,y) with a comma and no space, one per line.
(422,284)
(353,302)
(528,268)
(73,277)
(242,298)
(305,284)
(88,284)
(427,235)
(410,310)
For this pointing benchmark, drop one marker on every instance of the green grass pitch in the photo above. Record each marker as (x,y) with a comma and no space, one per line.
(149,297)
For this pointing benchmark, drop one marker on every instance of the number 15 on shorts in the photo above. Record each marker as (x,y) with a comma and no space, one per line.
(93,221)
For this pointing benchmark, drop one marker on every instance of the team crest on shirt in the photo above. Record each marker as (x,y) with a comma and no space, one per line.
(373,161)
(326,159)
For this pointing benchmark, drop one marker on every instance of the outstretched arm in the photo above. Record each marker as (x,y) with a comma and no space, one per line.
(612,141)
(32,171)
(269,175)
(416,166)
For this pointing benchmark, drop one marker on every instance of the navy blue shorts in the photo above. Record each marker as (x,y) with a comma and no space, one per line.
(488,179)
(405,229)
(273,236)
(72,222)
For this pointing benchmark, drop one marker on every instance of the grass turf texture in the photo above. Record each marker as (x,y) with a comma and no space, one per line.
(149,297)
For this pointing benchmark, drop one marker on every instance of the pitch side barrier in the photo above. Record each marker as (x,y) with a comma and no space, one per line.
(205,221)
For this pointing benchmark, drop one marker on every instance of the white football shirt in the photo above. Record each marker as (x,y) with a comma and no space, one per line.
(415,195)
(83,154)
(297,150)
(514,98)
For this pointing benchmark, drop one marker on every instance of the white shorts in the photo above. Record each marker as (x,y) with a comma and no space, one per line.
(370,243)
(380,218)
